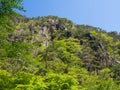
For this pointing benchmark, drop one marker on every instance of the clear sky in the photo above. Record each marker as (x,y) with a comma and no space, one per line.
(99,13)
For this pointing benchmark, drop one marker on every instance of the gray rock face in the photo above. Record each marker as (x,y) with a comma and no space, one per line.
(39,31)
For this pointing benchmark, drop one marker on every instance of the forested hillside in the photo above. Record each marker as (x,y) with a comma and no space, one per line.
(52,53)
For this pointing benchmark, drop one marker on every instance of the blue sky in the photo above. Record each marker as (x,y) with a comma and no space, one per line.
(99,13)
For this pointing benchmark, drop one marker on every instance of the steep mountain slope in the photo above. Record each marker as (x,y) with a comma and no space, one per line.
(86,56)
(44,30)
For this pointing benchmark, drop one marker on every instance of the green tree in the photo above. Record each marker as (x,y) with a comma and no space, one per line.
(7,10)
(61,82)
(6,81)
(9,6)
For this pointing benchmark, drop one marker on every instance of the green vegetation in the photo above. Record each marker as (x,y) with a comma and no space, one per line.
(51,53)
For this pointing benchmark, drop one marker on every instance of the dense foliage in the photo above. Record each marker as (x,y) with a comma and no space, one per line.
(51,53)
